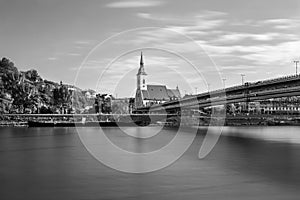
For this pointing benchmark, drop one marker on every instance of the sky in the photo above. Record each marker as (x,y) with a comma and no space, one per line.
(194,45)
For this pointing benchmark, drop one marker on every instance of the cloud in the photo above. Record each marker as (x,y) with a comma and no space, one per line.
(204,14)
(274,23)
(192,22)
(235,37)
(282,23)
(52,58)
(196,25)
(238,69)
(200,26)
(74,54)
(280,54)
(144,15)
(83,42)
(251,49)
(134,4)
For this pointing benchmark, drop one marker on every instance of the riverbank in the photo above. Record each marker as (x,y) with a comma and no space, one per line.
(13,123)
(245,123)
(69,121)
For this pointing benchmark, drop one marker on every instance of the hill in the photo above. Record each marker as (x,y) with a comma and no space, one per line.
(28,92)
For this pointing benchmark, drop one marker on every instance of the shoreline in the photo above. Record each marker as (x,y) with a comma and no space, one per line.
(241,123)
(186,121)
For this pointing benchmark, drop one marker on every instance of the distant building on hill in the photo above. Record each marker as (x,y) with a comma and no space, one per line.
(120,106)
(5,104)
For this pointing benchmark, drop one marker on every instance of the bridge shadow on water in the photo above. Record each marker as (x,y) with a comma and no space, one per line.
(272,161)
(268,160)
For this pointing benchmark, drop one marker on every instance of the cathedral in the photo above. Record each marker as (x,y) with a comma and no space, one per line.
(147,95)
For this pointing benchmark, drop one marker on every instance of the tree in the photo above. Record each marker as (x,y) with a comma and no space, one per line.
(7,66)
(32,75)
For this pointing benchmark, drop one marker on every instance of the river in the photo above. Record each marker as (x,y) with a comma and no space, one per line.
(246,163)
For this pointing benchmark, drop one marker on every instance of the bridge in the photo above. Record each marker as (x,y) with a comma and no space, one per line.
(249,92)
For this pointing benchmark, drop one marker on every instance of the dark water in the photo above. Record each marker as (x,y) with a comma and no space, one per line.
(52,163)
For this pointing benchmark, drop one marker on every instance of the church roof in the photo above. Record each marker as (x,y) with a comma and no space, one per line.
(160,92)
(174,93)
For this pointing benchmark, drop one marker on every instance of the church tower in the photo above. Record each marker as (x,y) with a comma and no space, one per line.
(141,76)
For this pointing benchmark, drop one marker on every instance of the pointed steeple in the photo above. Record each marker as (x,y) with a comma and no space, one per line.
(141,69)
(141,61)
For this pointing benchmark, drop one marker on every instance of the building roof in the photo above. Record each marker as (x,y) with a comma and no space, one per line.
(160,92)
(174,93)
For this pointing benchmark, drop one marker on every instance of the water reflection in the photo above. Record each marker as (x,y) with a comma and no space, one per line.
(277,161)
(158,138)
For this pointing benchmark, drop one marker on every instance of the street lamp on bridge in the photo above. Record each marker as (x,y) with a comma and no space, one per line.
(224,79)
(242,75)
(296,63)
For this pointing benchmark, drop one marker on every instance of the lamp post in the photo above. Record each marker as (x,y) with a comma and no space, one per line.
(224,79)
(296,63)
(242,75)
(208,87)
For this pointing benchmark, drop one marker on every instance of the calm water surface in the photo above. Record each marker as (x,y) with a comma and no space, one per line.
(52,163)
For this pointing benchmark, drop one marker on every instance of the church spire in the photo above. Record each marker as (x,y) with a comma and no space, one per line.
(141,69)
(141,61)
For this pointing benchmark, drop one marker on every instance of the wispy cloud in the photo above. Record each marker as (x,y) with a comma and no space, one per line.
(282,23)
(236,46)
(73,54)
(254,42)
(134,4)
(190,18)
(203,20)
(52,58)
(83,42)
(279,54)
(253,38)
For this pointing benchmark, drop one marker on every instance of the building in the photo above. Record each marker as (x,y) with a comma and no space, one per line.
(28,86)
(5,104)
(103,103)
(1,84)
(147,95)
(120,106)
